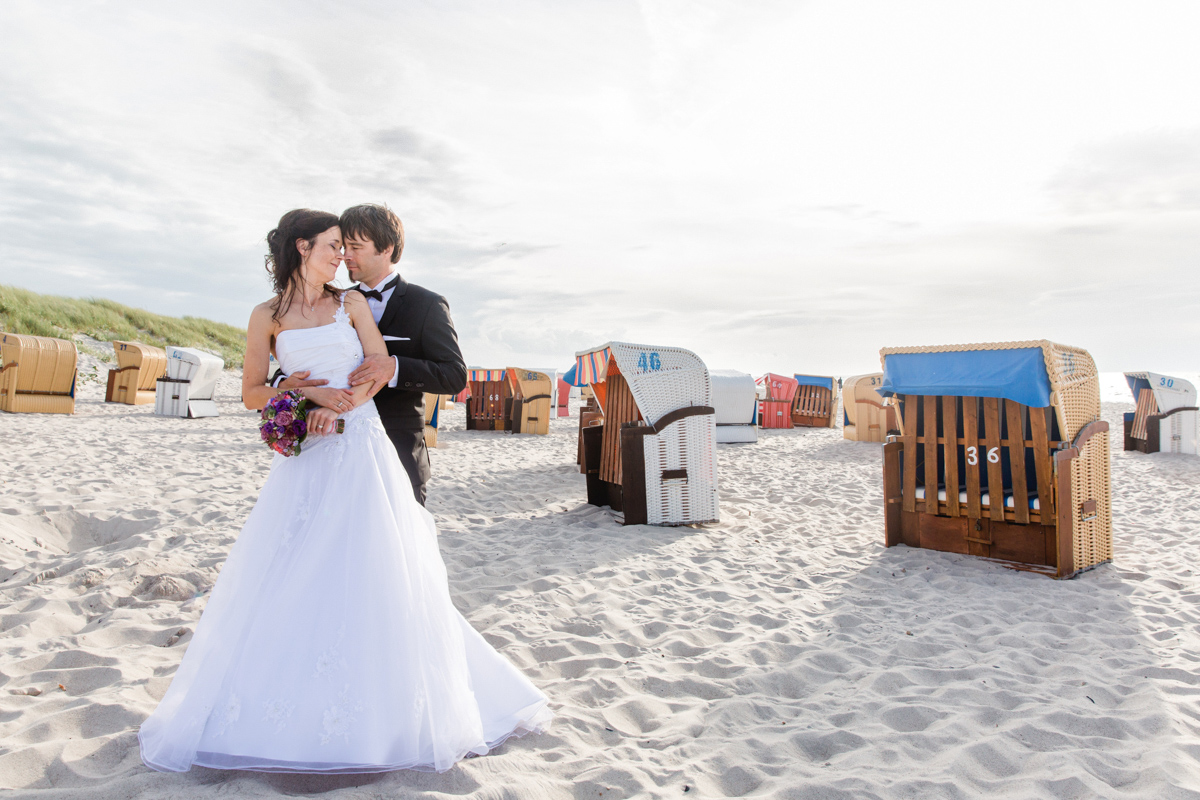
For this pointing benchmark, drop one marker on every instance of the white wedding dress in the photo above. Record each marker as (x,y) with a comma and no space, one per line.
(330,643)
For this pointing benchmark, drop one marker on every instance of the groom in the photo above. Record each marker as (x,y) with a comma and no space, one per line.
(423,354)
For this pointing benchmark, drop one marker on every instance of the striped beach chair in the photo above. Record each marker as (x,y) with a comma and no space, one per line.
(653,458)
(1166,415)
(490,405)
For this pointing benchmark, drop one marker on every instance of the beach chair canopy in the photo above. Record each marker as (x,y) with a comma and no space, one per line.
(815,380)
(1033,373)
(200,368)
(779,387)
(484,375)
(662,379)
(1169,392)
(1018,375)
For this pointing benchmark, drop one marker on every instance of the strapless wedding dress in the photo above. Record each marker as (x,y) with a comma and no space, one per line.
(330,643)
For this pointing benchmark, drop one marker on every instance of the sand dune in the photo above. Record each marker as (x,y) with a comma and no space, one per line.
(782,653)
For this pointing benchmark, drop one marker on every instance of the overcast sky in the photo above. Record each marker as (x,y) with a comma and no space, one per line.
(778,186)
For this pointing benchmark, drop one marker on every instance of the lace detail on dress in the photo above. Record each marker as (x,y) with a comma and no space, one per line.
(278,712)
(340,314)
(330,660)
(229,713)
(339,716)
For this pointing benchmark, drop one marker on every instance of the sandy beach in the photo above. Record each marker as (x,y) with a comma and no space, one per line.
(781,653)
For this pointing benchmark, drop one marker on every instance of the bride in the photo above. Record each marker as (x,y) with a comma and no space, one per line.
(330,643)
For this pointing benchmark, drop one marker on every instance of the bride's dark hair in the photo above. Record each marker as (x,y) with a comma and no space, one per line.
(283,261)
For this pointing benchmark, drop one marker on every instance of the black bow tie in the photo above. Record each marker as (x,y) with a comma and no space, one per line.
(378,293)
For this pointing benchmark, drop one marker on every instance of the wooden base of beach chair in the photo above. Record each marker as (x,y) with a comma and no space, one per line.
(38,404)
(1153,425)
(1065,535)
(122,388)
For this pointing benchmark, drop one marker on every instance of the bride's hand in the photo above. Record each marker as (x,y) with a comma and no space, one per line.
(321,421)
(338,400)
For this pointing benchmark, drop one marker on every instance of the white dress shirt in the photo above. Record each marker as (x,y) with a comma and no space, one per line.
(377,307)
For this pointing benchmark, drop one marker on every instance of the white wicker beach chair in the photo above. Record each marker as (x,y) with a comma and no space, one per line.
(1166,416)
(654,458)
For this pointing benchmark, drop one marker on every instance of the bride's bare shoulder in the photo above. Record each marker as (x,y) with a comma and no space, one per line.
(263,314)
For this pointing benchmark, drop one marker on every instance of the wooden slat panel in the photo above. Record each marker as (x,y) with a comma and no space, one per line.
(812,401)
(991,442)
(620,408)
(950,449)
(1016,456)
(1146,405)
(1042,463)
(971,440)
(910,451)
(929,429)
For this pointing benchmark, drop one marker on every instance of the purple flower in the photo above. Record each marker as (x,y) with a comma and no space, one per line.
(283,417)
(301,428)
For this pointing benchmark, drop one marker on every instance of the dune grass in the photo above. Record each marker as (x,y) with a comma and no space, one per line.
(22,311)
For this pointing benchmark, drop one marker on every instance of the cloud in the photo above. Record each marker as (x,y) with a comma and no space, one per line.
(777,187)
(1153,171)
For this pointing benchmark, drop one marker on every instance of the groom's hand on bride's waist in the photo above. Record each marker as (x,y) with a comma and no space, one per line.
(379,369)
(299,381)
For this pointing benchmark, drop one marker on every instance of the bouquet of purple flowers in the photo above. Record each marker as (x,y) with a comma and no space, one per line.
(284,427)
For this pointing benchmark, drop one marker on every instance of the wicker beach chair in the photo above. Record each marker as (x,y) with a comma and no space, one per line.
(865,418)
(816,402)
(776,395)
(37,374)
(1166,417)
(489,407)
(134,381)
(735,401)
(433,407)
(530,400)
(654,457)
(1001,454)
(188,387)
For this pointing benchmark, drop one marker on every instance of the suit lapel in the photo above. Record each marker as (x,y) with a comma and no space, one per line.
(392,310)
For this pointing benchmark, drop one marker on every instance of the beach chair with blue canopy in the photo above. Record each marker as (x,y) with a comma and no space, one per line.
(1165,419)
(653,455)
(1001,454)
(816,402)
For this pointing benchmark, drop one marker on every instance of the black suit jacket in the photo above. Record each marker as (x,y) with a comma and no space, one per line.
(426,349)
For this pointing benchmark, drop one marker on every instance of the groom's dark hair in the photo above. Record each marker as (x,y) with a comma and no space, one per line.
(377,223)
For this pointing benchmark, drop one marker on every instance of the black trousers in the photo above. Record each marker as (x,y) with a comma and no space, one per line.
(410,446)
